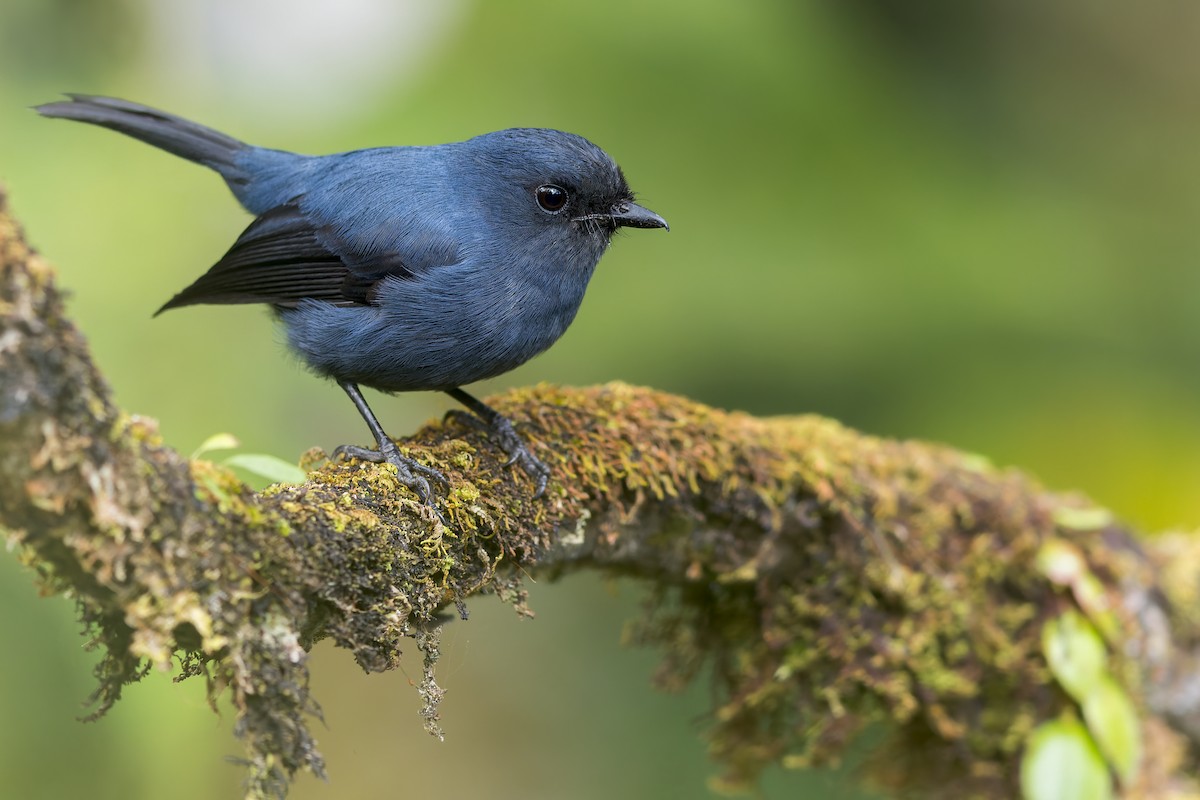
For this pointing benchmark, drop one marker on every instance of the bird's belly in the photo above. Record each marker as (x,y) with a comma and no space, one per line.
(435,346)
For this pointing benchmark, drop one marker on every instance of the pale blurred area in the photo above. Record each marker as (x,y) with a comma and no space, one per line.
(304,56)
(973,223)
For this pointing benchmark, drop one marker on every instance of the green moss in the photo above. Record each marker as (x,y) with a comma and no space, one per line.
(827,580)
(858,579)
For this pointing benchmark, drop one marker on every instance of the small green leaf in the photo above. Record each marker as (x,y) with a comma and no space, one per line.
(218,441)
(1115,726)
(1061,762)
(1083,519)
(270,467)
(1108,624)
(1075,653)
(1061,562)
(1090,594)
(215,490)
(976,462)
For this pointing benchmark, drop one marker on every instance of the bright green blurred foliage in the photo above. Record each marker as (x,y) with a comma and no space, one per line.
(966,222)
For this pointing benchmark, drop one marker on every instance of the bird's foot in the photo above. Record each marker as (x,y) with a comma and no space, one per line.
(501,431)
(409,472)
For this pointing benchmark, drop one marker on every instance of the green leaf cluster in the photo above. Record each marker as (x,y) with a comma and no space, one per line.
(1070,759)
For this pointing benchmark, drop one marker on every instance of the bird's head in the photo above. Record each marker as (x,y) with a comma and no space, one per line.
(552,183)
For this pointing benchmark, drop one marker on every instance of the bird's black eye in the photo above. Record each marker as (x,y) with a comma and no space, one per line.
(551,198)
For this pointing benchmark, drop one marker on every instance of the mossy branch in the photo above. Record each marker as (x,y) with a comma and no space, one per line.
(829,578)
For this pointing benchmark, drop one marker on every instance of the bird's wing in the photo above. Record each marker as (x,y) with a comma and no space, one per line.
(284,257)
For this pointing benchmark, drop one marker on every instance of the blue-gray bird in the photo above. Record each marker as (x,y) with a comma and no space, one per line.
(406,268)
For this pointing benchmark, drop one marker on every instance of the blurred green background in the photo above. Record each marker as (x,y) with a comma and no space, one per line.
(967,222)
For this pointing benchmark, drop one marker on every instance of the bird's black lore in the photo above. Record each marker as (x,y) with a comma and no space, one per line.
(406,268)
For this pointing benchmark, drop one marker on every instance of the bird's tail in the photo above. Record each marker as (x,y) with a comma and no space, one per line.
(171,133)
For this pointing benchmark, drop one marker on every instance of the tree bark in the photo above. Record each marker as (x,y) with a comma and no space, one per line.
(830,579)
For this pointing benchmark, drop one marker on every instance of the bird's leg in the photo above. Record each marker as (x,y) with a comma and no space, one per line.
(411,473)
(502,433)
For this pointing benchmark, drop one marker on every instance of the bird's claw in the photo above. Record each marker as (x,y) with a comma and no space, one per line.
(534,467)
(409,472)
(502,432)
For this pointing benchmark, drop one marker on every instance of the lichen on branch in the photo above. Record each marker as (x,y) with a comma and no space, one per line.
(829,579)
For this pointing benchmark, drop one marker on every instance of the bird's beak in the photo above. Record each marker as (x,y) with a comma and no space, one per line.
(630,215)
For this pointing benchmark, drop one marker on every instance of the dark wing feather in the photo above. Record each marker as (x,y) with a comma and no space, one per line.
(281,259)
(363,278)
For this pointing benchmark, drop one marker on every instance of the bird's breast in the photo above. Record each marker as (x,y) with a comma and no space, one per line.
(446,327)
(522,314)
